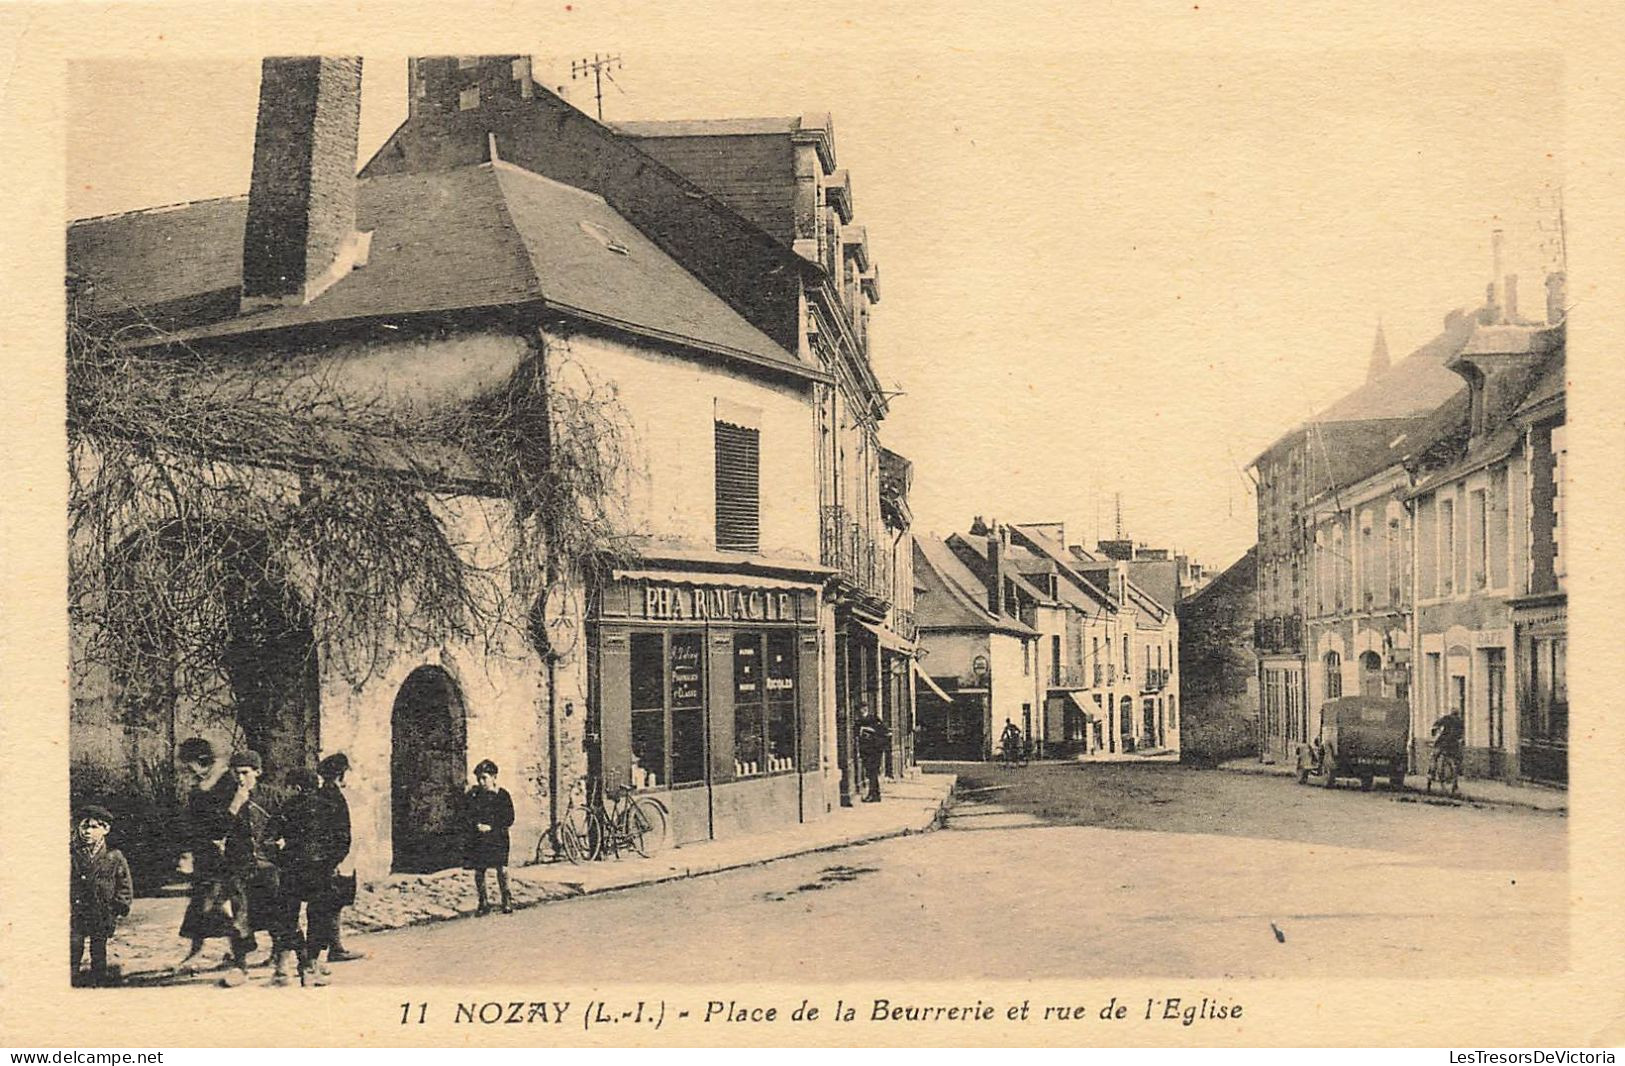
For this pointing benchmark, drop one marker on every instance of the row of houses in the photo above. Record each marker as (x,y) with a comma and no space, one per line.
(1411,544)
(1077,649)
(712,278)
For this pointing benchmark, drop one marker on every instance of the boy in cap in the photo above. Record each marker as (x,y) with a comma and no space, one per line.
(100,891)
(487,813)
(251,873)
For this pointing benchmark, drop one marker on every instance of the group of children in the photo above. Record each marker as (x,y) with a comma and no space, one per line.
(251,872)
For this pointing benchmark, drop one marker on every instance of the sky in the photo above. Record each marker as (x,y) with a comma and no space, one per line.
(1103,275)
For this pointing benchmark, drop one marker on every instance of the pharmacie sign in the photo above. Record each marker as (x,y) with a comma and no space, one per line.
(684,603)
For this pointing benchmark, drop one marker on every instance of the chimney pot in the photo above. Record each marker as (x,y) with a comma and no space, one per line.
(995,579)
(300,235)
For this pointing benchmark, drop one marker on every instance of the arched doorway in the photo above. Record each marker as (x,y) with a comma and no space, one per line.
(427,769)
(1370,674)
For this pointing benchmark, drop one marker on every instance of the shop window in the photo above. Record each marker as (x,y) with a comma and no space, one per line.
(748,704)
(687,708)
(649,710)
(781,700)
(764,702)
(738,488)
(668,709)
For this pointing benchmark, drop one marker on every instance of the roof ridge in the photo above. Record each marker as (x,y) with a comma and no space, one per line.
(157,210)
(515,168)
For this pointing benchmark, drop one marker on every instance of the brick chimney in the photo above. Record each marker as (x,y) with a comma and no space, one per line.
(995,573)
(300,237)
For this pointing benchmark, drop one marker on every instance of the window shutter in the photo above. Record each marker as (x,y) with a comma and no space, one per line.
(738,488)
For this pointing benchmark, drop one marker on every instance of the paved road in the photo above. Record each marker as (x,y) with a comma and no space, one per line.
(1060,870)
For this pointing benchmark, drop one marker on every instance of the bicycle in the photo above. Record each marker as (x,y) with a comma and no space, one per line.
(585,833)
(575,837)
(641,823)
(1013,753)
(1445,768)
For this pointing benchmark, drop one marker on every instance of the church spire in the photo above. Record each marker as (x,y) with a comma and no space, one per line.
(1379,355)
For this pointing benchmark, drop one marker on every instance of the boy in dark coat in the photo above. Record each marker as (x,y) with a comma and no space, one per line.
(251,874)
(333,828)
(203,831)
(100,891)
(488,812)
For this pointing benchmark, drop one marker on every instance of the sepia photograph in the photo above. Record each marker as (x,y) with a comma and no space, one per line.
(711,515)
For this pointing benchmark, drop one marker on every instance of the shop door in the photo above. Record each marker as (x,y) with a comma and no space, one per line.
(428,770)
(1495,709)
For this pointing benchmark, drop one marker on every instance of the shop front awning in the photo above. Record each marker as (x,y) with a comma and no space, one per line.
(1087,709)
(701,577)
(888,640)
(925,679)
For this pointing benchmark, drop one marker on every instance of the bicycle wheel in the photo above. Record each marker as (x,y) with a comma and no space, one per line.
(579,833)
(643,825)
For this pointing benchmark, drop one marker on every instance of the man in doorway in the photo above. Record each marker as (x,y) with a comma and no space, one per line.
(874,741)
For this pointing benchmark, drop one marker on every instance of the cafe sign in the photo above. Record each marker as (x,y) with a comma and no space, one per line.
(690,603)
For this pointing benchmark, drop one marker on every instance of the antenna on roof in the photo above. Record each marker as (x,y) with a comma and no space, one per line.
(1119,498)
(599,66)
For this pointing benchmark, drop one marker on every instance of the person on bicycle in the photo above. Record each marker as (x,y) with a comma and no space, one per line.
(1010,741)
(1448,734)
(874,740)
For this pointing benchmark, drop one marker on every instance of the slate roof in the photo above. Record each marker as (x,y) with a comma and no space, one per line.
(707,127)
(482,236)
(755,177)
(977,546)
(1543,382)
(1413,386)
(952,597)
(1093,595)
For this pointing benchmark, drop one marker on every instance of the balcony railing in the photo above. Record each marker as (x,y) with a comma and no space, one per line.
(1155,679)
(860,557)
(1069,677)
(1100,674)
(904,624)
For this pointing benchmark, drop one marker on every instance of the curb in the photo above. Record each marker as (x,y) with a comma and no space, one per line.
(572,890)
(565,891)
(1463,798)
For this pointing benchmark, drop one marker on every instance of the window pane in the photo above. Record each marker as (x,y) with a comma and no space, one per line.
(687,745)
(781,701)
(686,690)
(748,692)
(648,749)
(687,709)
(648,670)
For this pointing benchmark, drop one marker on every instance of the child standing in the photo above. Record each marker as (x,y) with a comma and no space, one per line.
(488,812)
(100,892)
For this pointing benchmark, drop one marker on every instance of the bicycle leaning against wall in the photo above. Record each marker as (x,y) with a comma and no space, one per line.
(607,821)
